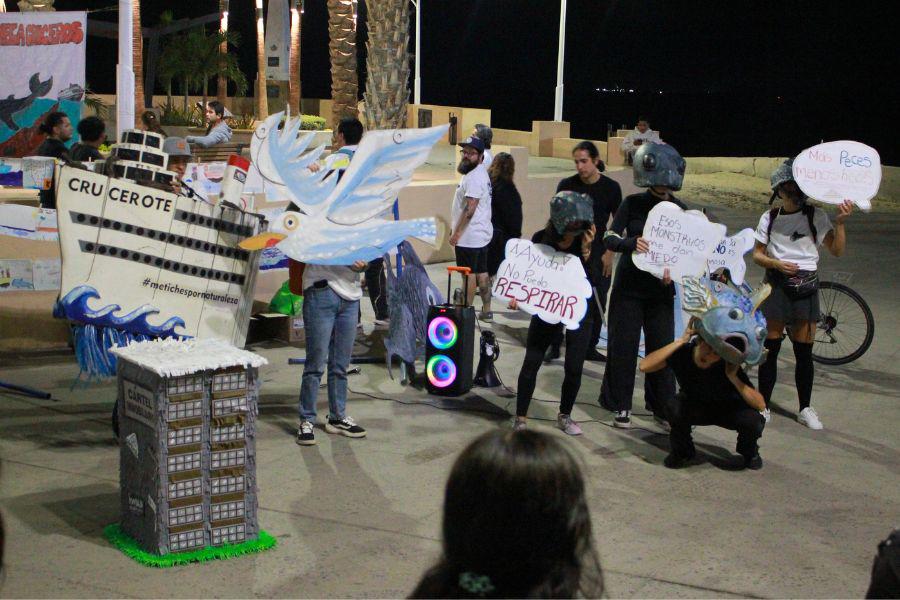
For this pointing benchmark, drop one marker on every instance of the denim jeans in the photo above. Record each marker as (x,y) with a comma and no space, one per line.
(330,323)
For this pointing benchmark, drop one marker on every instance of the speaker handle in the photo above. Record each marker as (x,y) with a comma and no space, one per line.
(465,272)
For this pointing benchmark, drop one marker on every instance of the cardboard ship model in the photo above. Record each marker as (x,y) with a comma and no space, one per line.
(140,261)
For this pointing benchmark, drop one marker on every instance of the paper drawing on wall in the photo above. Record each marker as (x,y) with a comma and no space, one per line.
(340,222)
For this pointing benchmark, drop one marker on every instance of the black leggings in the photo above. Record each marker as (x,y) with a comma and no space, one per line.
(540,336)
(627,315)
(376,283)
(683,413)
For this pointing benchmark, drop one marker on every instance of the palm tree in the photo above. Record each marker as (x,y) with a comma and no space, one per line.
(342,48)
(137,41)
(262,101)
(210,63)
(387,64)
(294,61)
(222,81)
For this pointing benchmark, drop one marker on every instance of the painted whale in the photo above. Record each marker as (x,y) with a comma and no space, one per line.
(11,105)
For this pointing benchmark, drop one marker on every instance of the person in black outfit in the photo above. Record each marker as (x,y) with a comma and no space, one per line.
(639,299)
(506,209)
(607,196)
(570,229)
(93,133)
(712,392)
(58,129)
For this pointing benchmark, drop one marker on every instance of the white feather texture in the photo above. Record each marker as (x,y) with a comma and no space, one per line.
(338,223)
(173,358)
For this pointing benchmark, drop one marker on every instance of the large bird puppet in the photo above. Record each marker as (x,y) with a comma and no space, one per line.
(339,221)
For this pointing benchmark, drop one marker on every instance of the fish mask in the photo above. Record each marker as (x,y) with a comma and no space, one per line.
(727,318)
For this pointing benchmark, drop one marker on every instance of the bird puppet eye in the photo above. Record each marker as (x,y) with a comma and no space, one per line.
(291,223)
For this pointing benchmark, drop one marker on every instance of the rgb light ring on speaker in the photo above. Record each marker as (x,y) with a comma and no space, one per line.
(442,333)
(441,371)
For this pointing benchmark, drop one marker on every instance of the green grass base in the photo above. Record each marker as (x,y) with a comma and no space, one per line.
(130,548)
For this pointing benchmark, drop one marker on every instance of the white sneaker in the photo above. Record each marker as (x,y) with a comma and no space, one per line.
(809,418)
(767,415)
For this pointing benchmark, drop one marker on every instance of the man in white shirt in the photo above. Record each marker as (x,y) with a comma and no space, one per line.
(471,220)
(486,135)
(642,133)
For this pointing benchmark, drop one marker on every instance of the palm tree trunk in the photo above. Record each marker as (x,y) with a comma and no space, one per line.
(221,82)
(184,82)
(169,93)
(387,64)
(205,92)
(262,101)
(342,48)
(294,61)
(137,34)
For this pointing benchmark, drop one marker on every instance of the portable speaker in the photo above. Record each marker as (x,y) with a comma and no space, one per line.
(449,349)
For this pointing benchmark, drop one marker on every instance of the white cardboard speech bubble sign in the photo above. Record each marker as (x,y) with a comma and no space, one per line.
(729,253)
(836,171)
(680,240)
(544,282)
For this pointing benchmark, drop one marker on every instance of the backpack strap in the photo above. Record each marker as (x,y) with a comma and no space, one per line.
(772,214)
(810,211)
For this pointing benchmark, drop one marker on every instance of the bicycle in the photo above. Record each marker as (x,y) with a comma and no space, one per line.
(846,325)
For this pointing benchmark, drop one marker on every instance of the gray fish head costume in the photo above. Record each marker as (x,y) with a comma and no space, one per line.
(658,165)
(727,318)
(570,207)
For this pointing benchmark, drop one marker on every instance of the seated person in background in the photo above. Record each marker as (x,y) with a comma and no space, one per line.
(150,122)
(642,133)
(486,135)
(712,392)
(516,523)
(93,133)
(218,131)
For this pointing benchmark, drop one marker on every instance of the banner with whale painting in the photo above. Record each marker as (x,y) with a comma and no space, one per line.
(42,62)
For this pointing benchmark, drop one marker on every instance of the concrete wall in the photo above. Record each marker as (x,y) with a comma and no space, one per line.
(466,118)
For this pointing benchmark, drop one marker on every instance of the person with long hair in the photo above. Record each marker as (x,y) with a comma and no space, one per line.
(638,299)
(218,131)
(787,241)
(516,523)
(571,230)
(150,122)
(506,208)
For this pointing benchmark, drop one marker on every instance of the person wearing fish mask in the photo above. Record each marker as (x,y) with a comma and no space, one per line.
(638,299)
(726,330)
(570,229)
(787,241)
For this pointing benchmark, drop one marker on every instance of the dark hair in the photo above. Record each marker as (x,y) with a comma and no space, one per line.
(502,168)
(91,129)
(52,120)
(592,151)
(643,118)
(351,129)
(485,134)
(516,523)
(218,108)
(151,122)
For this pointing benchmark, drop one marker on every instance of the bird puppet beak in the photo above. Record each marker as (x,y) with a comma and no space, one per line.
(261,241)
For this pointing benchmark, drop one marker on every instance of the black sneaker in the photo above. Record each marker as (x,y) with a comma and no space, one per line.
(305,435)
(622,419)
(595,356)
(754,464)
(674,461)
(552,353)
(346,426)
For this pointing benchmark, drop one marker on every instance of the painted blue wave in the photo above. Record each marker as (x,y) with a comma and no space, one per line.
(272,258)
(74,307)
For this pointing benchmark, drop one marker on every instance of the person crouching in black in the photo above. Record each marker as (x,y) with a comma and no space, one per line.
(711,392)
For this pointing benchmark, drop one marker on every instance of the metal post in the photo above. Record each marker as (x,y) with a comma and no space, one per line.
(125,70)
(560,61)
(417,81)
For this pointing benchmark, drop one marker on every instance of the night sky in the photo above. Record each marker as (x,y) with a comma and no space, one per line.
(737,78)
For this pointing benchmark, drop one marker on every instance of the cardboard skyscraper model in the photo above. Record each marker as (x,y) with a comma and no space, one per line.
(140,261)
(187,416)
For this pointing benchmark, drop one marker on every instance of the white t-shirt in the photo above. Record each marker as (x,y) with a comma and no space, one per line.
(344,281)
(488,158)
(792,239)
(474,184)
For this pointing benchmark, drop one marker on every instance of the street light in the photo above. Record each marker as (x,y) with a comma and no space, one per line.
(560,60)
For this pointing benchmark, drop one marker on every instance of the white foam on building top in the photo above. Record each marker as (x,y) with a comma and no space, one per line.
(173,358)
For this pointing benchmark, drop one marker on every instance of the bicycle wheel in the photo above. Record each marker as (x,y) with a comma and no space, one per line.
(846,325)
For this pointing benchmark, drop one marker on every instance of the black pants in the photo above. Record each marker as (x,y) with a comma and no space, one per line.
(376,283)
(540,336)
(627,315)
(682,413)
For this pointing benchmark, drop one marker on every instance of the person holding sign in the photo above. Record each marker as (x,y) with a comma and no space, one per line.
(638,299)
(787,241)
(571,230)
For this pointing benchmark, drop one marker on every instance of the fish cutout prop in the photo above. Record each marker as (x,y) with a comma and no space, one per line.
(409,297)
(729,254)
(341,221)
(728,318)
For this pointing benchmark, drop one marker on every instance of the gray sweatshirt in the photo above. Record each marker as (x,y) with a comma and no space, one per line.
(220,134)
